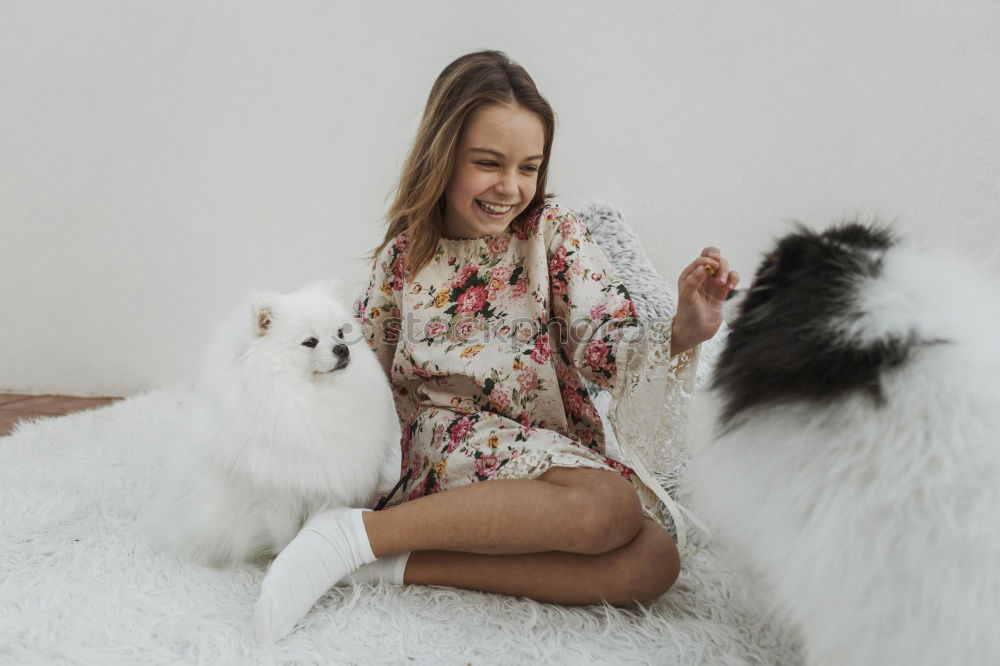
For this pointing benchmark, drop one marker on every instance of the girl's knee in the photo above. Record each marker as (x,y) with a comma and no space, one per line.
(610,513)
(646,569)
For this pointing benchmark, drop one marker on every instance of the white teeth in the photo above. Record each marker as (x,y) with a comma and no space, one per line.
(494,208)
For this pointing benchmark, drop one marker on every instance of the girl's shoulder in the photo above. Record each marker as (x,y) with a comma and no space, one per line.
(556,222)
(389,269)
(392,257)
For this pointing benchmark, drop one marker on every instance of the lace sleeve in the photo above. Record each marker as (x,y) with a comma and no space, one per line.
(649,411)
(650,400)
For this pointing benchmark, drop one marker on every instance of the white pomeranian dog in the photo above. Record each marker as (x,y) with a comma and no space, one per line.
(295,415)
(854,455)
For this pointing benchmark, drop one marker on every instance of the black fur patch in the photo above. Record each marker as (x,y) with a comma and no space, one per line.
(783,346)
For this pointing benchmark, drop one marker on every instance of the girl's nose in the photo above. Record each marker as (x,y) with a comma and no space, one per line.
(507,183)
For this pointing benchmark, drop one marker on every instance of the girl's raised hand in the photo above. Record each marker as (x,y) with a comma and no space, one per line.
(701,292)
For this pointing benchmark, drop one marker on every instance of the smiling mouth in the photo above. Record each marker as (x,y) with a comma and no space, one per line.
(494,210)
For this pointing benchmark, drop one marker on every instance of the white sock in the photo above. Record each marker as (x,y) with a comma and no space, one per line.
(385,570)
(331,545)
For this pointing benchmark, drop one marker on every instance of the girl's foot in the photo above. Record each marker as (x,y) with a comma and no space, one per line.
(331,545)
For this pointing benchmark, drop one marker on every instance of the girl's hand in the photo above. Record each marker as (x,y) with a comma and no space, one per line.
(701,292)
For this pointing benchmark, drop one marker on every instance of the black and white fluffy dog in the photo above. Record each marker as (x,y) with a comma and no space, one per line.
(853,458)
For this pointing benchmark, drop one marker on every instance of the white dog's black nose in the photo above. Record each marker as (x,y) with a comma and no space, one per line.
(341,351)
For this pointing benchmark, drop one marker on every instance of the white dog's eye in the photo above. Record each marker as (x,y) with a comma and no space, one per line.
(311,342)
(340,333)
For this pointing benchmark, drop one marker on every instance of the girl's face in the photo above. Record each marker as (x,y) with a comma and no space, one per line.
(496,171)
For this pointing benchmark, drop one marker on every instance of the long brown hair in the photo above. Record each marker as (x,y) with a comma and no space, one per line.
(473,81)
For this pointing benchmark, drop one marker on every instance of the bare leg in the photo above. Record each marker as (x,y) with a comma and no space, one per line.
(575,510)
(506,531)
(573,536)
(641,570)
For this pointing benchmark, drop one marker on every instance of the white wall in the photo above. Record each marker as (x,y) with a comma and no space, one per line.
(159,159)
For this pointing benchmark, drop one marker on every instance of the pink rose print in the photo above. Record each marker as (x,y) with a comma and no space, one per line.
(558,287)
(528,380)
(464,329)
(415,466)
(624,307)
(501,272)
(487,465)
(467,272)
(597,354)
(404,443)
(542,351)
(563,373)
(599,311)
(531,226)
(434,329)
(459,430)
(498,244)
(557,263)
(523,230)
(524,333)
(573,401)
(398,273)
(524,419)
(566,227)
(473,299)
(499,399)
(520,289)
(624,470)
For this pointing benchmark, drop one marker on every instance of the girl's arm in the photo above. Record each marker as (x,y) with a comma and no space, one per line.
(650,387)
(378,307)
(591,306)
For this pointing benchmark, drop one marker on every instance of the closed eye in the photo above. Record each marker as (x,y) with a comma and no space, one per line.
(311,343)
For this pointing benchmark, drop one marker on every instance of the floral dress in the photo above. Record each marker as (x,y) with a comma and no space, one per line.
(485,348)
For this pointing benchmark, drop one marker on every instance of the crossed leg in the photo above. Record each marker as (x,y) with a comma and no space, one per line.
(572,536)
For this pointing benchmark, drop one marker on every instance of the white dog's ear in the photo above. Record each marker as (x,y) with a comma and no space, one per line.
(262,309)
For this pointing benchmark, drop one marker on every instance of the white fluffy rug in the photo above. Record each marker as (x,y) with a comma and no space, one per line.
(80,584)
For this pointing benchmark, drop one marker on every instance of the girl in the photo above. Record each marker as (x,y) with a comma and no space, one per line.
(486,306)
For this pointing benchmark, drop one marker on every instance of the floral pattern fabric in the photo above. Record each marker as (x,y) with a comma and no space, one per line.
(485,348)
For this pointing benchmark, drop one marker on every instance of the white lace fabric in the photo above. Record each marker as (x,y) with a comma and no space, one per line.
(649,409)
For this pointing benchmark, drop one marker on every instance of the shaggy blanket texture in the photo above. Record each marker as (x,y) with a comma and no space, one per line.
(80,582)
